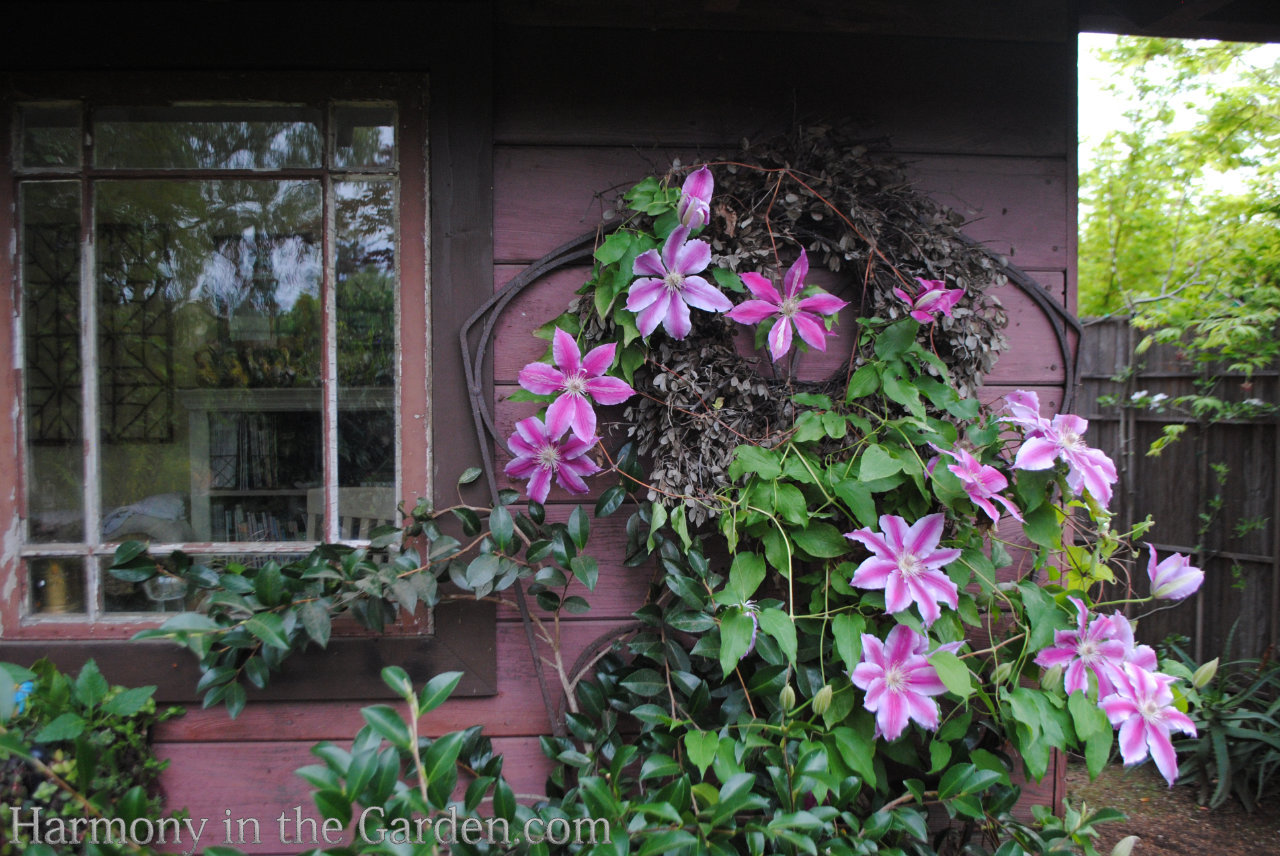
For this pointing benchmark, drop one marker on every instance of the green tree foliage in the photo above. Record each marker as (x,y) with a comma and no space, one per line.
(1180,211)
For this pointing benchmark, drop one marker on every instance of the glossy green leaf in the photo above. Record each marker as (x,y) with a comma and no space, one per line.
(701,747)
(315,619)
(736,632)
(822,541)
(586,569)
(437,690)
(268,627)
(876,463)
(501,527)
(865,381)
(579,527)
(440,764)
(610,501)
(752,459)
(896,339)
(745,576)
(846,629)
(779,625)
(952,672)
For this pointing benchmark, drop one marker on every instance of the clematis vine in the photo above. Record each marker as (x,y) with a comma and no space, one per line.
(1096,645)
(540,455)
(932,298)
(1174,578)
(694,209)
(789,308)
(898,681)
(981,482)
(670,285)
(1062,438)
(907,563)
(1142,709)
(575,377)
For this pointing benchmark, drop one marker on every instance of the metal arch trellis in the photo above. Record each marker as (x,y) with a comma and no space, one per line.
(475,352)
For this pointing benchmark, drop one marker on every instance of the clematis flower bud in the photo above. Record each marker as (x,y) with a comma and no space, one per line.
(1205,674)
(787,698)
(1174,578)
(822,700)
(694,209)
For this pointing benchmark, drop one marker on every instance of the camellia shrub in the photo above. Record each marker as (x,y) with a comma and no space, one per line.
(877,605)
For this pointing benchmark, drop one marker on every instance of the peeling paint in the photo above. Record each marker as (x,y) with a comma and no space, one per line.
(10,559)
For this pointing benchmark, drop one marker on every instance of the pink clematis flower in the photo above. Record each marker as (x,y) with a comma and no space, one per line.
(1142,709)
(790,308)
(1024,411)
(906,564)
(1095,646)
(671,285)
(1063,439)
(576,377)
(933,297)
(694,209)
(1142,656)
(983,483)
(898,681)
(1174,578)
(539,455)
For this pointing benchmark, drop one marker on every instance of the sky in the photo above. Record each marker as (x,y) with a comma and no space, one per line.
(1100,111)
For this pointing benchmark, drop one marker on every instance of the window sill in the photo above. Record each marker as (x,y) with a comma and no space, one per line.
(350,668)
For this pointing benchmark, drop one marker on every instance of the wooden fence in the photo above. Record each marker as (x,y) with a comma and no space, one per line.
(1213,493)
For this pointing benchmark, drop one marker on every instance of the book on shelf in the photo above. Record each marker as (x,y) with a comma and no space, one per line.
(241,525)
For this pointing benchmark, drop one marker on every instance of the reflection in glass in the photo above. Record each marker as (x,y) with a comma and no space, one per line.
(364,136)
(236,136)
(57,585)
(365,269)
(51,342)
(169,592)
(50,136)
(209,354)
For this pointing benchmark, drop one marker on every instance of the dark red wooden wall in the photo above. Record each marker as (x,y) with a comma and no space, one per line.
(985,126)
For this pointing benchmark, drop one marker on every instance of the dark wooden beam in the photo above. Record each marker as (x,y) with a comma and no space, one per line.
(1000,20)
(1230,20)
(349,669)
(461,122)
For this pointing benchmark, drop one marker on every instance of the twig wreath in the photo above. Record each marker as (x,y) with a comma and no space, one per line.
(817,193)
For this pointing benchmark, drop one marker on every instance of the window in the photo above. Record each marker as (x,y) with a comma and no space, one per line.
(211,313)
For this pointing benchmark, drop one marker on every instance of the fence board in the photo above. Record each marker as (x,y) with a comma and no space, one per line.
(1238,550)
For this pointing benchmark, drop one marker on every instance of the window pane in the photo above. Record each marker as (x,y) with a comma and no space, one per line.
(366,287)
(364,137)
(50,136)
(209,358)
(207,137)
(168,593)
(57,585)
(51,340)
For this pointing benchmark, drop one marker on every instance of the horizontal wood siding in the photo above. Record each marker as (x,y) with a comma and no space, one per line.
(579,115)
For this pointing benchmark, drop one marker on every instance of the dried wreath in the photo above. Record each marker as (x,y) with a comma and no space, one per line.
(815,194)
